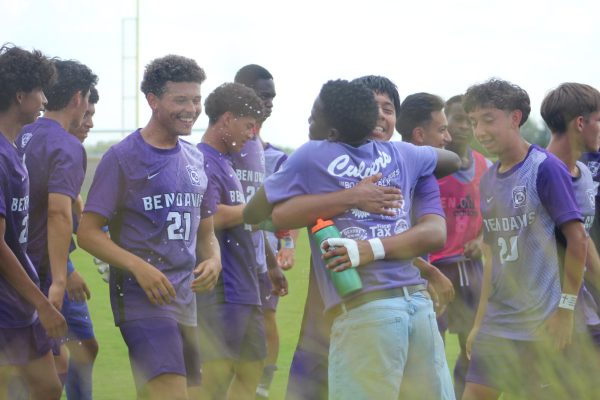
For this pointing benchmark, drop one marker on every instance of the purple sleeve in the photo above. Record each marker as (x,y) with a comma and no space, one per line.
(67,169)
(280,162)
(427,198)
(104,195)
(209,201)
(290,180)
(555,189)
(420,160)
(3,183)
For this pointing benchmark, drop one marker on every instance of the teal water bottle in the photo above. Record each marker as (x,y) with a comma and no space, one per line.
(347,281)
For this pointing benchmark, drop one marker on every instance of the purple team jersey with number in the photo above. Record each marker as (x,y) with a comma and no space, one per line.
(274,157)
(521,209)
(323,167)
(238,281)
(56,162)
(15,312)
(153,200)
(249,165)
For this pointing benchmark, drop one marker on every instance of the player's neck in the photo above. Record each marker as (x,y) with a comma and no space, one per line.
(10,127)
(513,155)
(156,136)
(562,146)
(61,116)
(213,136)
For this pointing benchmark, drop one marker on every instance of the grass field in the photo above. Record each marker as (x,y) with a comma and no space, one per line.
(112,373)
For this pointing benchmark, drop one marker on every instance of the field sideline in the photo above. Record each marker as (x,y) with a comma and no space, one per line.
(112,373)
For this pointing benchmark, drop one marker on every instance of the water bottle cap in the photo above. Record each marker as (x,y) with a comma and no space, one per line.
(320,225)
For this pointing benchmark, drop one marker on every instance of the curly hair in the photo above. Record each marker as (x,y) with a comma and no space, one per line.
(94,96)
(350,108)
(381,85)
(416,111)
(566,102)
(170,68)
(235,98)
(249,74)
(500,94)
(22,70)
(71,77)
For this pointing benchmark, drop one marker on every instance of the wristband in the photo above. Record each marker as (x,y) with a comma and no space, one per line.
(288,243)
(567,301)
(377,248)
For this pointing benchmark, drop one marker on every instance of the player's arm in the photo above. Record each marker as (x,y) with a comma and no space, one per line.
(592,262)
(304,210)
(60,231)
(94,240)
(447,163)
(287,252)
(280,284)
(560,323)
(208,250)
(12,271)
(486,287)
(78,208)
(228,216)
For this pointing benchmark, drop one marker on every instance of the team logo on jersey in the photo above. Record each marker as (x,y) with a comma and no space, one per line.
(401,226)
(591,193)
(25,138)
(360,214)
(354,233)
(194,175)
(519,196)
(594,166)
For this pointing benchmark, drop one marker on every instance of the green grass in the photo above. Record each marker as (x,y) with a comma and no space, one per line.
(112,373)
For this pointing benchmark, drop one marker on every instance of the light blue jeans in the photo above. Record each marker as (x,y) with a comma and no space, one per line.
(389,349)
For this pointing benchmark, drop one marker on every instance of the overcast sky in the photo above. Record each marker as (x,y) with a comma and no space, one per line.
(440,47)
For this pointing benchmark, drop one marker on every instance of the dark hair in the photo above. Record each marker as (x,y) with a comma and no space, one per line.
(236,98)
(170,68)
(566,102)
(453,100)
(249,74)
(415,111)
(350,108)
(94,96)
(22,70)
(71,77)
(381,85)
(500,94)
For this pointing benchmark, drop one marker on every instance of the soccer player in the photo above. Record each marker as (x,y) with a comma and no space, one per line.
(230,318)
(250,166)
(525,196)
(385,332)
(460,259)
(81,341)
(56,163)
(27,317)
(151,190)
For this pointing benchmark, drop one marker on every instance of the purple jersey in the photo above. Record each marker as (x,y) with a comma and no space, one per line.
(426,198)
(249,165)
(153,200)
(238,281)
(323,167)
(274,157)
(521,209)
(56,162)
(15,312)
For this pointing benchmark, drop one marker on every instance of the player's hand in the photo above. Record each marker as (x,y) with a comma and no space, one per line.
(52,321)
(438,307)
(56,294)
(376,199)
(442,286)
(285,258)
(470,341)
(156,285)
(280,284)
(341,254)
(559,326)
(206,275)
(77,289)
(472,249)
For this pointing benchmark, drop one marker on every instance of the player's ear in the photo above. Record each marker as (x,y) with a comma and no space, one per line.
(418,135)
(333,135)
(152,100)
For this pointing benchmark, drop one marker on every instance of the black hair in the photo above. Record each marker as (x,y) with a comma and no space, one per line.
(249,74)
(452,100)
(236,98)
(381,85)
(566,102)
(94,96)
(170,68)
(71,77)
(500,94)
(350,108)
(415,111)
(22,70)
